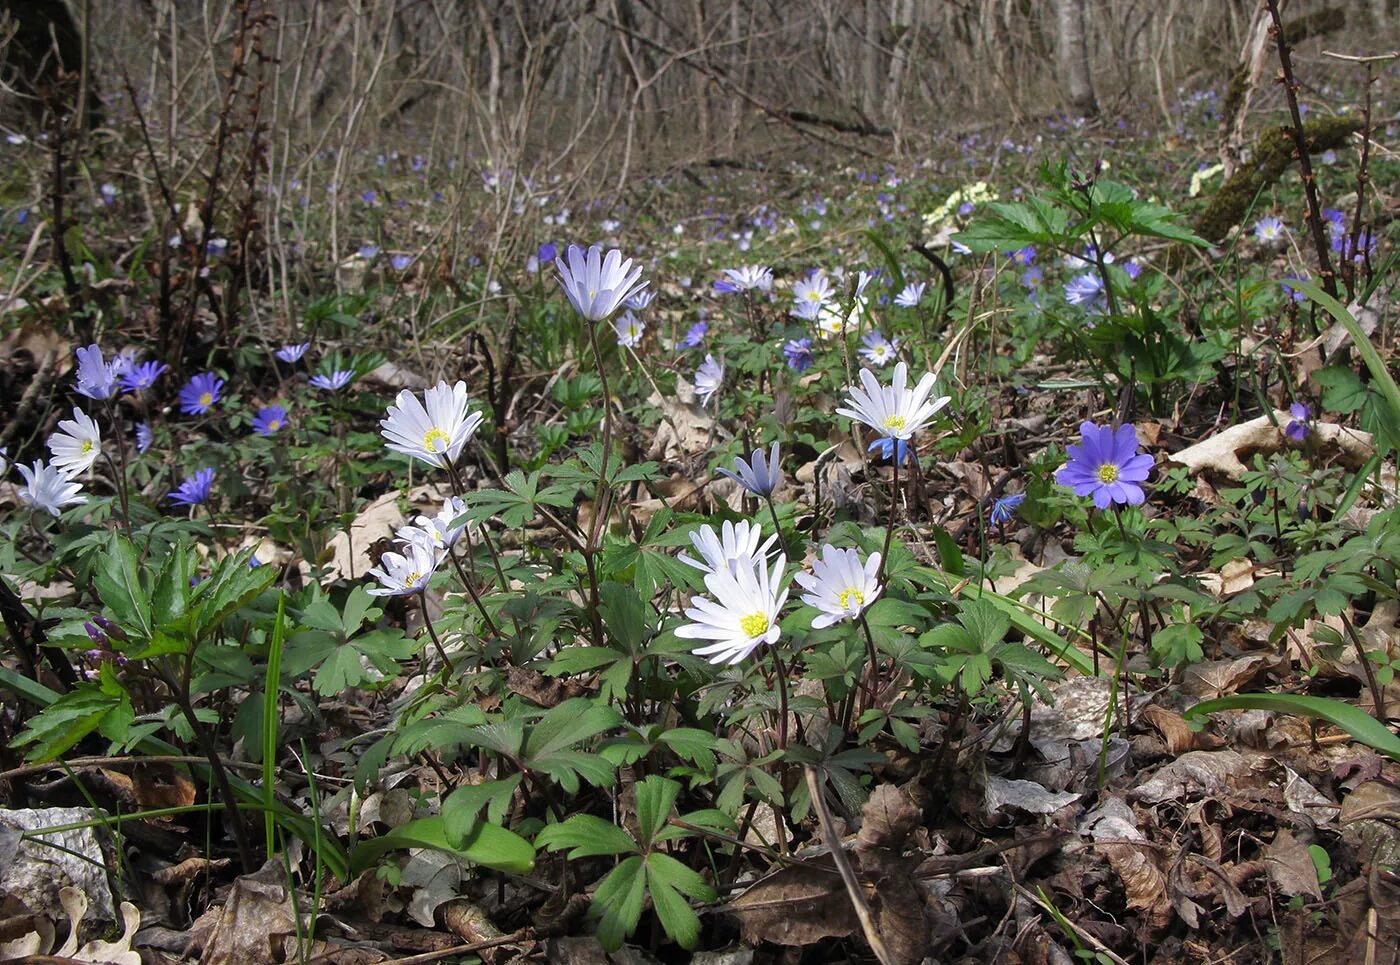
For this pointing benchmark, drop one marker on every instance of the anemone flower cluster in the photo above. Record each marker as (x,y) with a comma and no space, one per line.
(745,594)
(423,545)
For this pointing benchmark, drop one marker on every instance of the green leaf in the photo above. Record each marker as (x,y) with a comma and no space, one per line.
(667,878)
(570,723)
(462,809)
(587,835)
(624,615)
(69,719)
(656,797)
(118,582)
(1356,722)
(487,844)
(619,899)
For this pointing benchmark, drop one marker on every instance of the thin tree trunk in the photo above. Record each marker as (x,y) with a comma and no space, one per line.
(1075,80)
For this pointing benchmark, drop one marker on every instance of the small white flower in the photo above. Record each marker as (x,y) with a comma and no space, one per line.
(733,548)
(740,613)
(750,277)
(400,574)
(815,290)
(894,411)
(597,284)
(76,445)
(708,378)
(49,488)
(630,330)
(435,433)
(839,585)
(638,301)
(439,533)
(910,295)
(878,350)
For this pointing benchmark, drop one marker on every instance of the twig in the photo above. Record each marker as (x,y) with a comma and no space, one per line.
(843,865)
(1300,140)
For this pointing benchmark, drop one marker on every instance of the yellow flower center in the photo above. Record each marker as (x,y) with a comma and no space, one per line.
(412,578)
(895,422)
(755,624)
(846,596)
(274,425)
(206,398)
(1108,473)
(87,446)
(435,440)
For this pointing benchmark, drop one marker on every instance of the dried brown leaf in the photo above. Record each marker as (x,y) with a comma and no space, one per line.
(255,919)
(1194,773)
(1291,867)
(796,905)
(887,819)
(1176,733)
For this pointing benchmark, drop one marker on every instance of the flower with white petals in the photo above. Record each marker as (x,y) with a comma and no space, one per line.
(97,378)
(894,411)
(760,475)
(735,547)
(400,574)
(440,532)
(76,445)
(708,378)
(49,488)
(750,277)
(839,585)
(910,295)
(596,284)
(810,295)
(435,432)
(739,615)
(878,350)
(630,330)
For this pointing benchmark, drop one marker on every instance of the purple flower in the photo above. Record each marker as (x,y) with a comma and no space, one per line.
(1132,269)
(1297,430)
(368,252)
(336,380)
(400,262)
(200,393)
(1087,292)
(370,196)
(194,491)
(885,445)
(547,253)
(799,354)
(760,475)
(97,377)
(109,193)
(1024,256)
(1032,278)
(292,353)
(269,419)
(1005,507)
(695,335)
(143,437)
(1292,292)
(1107,466)
(142,376)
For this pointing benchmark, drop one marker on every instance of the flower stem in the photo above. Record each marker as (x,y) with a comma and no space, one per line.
(780,673)
(428,622)
(894,508)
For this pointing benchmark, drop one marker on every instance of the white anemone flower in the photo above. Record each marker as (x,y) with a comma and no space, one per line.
(740,613)
(49,488)
(630,330)
(400,574)
(440,532)
(807,292)
(839,586)
(894,411)
(76,445)
(735,547)
(434,430)
(708,378)
(750,277)
(596,284)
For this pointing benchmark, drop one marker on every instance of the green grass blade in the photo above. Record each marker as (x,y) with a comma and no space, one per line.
(272,688)
(1355,721)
